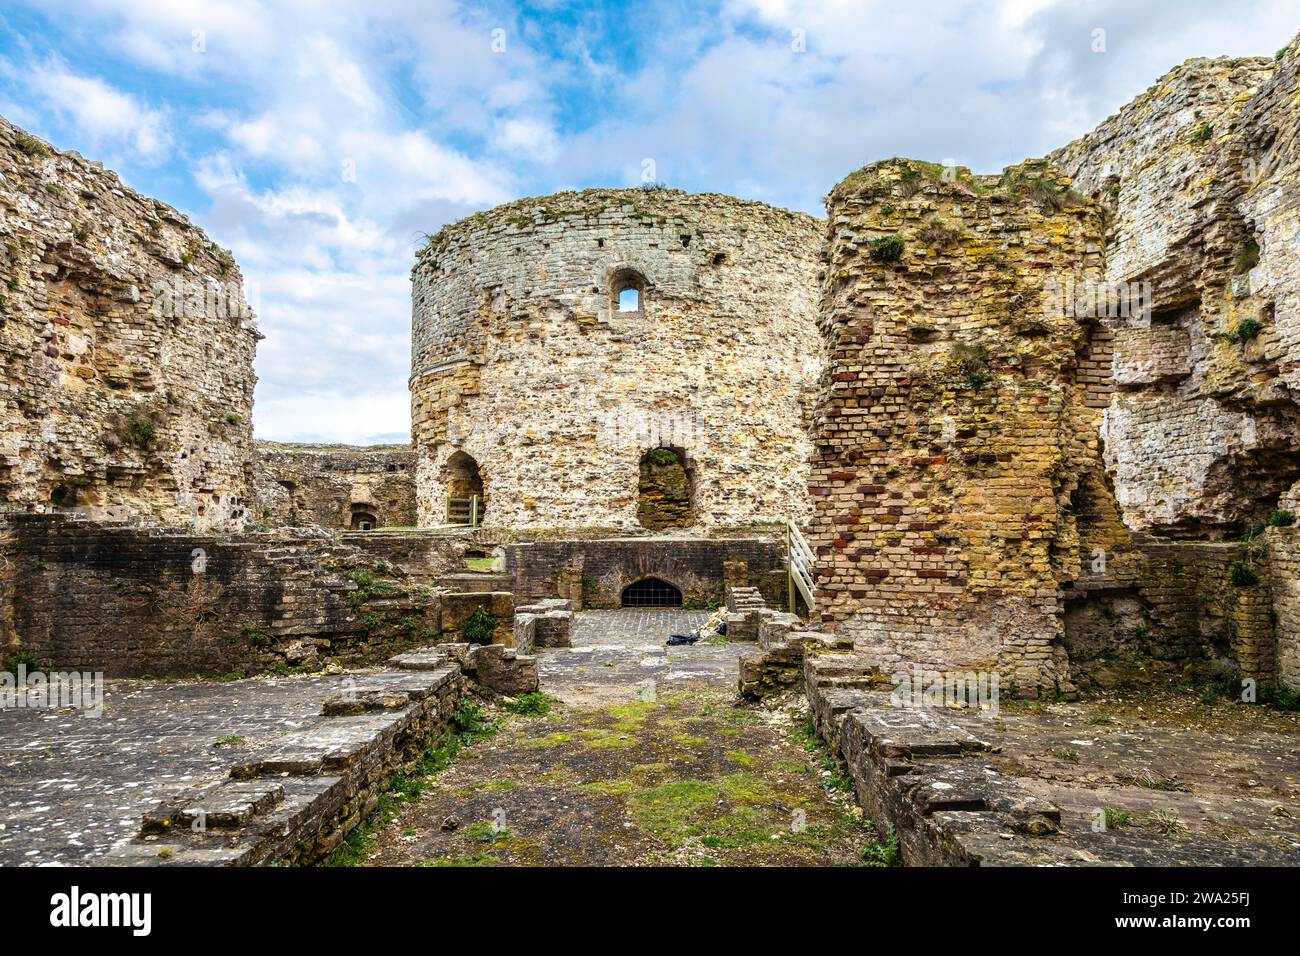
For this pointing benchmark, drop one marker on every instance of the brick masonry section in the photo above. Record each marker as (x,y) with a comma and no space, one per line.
(957,471)
(593,573)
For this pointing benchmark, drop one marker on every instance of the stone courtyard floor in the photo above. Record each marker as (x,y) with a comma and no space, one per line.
(1179,780)
(71,786)
(641,760)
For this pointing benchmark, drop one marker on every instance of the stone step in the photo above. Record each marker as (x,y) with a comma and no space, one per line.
(227,805)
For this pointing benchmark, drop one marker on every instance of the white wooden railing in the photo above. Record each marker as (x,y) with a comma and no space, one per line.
(801,561)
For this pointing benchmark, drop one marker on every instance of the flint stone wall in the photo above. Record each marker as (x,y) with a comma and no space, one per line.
(327,486)
(126,348)
(1200,179)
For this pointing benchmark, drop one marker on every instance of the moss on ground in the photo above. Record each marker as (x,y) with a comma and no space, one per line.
(632,783)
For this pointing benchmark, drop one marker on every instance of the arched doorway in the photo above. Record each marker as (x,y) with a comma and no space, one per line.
(466,503)
(651,592)
(364,521)
(664,490)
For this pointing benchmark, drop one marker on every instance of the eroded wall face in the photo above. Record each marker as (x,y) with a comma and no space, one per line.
(127,382)
(956,469)
(522,360)
(334,486)
(1199,178)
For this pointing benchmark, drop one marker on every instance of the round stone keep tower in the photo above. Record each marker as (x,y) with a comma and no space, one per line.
(625,359)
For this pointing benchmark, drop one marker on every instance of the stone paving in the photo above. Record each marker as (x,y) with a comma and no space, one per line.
(617,652)
(642,759)
(72,786)
(1157,775)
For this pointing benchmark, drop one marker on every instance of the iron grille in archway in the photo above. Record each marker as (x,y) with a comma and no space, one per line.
(651,592)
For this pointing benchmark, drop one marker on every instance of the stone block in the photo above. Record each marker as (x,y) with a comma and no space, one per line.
(458,607)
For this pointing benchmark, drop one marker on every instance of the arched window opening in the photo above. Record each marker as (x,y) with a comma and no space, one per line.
(664,490)
(364,521)
(627,291)
(466,502)
(651,592)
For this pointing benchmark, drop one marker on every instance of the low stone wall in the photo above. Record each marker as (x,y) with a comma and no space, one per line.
(421,554)
(910,773)
(1284,578)
(1053,784)
(593,573)
(131,601)
(297,800)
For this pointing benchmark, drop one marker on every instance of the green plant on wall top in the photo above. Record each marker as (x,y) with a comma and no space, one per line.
(479,627)
(1281,518)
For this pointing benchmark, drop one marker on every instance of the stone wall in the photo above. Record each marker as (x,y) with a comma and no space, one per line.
(333,486)
(295,800)
(1198,177)
(1284,586)
(130,601)
(522,360)
(1181,616)
(127,347)
(423,555)
(593,573)
(956,471)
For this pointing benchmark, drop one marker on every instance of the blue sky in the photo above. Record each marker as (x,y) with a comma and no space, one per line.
(320,140)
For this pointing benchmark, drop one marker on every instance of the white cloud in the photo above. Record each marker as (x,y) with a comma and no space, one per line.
(103,117)
(321,139)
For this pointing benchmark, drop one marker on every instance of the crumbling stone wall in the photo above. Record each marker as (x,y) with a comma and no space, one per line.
(131,601)
(1182,615)
(1283,582)
(333,486)
(956,468)
(522,359)
(127,381)
(1198,177)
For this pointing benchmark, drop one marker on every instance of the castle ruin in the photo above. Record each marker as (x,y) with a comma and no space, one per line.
(1041,424)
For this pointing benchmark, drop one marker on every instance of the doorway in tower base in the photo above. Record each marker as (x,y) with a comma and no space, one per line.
(363,520)
(463,480)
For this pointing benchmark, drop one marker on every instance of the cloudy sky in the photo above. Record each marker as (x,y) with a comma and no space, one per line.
(320,140)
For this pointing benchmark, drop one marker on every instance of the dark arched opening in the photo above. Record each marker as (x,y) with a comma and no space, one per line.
(663,498)
(465,499)
(363,521)
(651,592)
(64,496)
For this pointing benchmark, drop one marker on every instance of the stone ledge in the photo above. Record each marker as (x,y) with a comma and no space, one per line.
(296,801)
